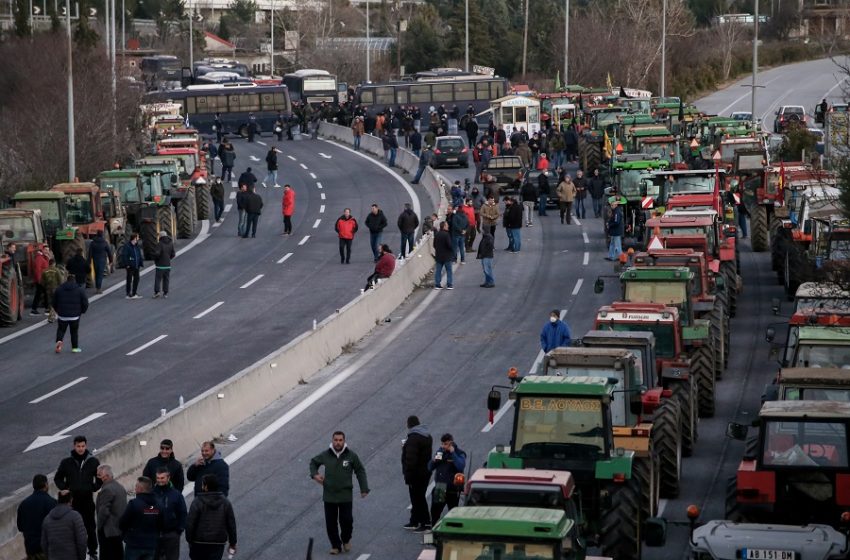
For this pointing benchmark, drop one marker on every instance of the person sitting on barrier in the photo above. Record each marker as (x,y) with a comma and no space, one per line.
(384,267)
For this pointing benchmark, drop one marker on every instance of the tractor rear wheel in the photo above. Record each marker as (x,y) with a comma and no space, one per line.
(702,369)
(686,393)
(11,304)
(645,469)
(69,247)
(730,276)
(667,441)
(620,529)
(186,214)
(717,330)
(758,228)
(589,154)
(149,235)
(167,220)
(203,200)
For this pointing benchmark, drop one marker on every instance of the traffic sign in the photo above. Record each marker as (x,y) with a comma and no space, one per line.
(655,244)
(647,202)
(737,198)
(716,156)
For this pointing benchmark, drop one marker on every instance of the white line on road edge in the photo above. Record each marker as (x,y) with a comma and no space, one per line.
(249,282)
(303,241)
(312,175)
(210,310)
(59,390)
(147,345)
(407,187)
(748,94)
(261,143)
(322,195)
(579,282)
(584,236)
(228,207)
(322,207)
(318,184)
(292,158)
(41,441)
(302,166)
(316,223)
(329,386)
(507,406)
(202,236)
(578,223)
(283,258)
(232,195)
(586,258)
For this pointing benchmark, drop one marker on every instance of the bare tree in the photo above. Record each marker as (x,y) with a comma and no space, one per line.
(728,35)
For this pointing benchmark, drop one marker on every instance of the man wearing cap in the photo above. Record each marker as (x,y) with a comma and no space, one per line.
(615,230)
(424,161)
(163,254)
(165,458)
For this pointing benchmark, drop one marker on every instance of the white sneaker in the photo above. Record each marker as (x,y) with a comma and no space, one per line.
(137,296)
(277,186)
(265,185)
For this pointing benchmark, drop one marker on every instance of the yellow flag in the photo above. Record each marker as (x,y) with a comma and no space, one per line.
(608,149)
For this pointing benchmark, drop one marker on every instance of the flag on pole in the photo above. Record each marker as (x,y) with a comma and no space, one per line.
(608,82)
(781,183)
(609,150)
(558,80)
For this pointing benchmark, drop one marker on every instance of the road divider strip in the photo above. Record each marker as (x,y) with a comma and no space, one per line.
(147,345)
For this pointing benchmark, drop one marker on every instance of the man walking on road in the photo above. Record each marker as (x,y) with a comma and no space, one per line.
(596,186)
(486,250)
(458,226)
(415,454)
(70,302)
(555,333)
(210,524)
(490,215)
(408,221)
(134,260)
(513,225)
(141,522)
(615,230)
(444,255)
(210,462)
(227,155)
(339,463)
(172,507)
(99,255)
(110,506)
(162,261)
(249,179)
(566,195)
(447,462)
(528,193)
(78,475)
(241,199)
(40,264)
(271,165)
(376,222)
(424,161)
(253,209)
(31,514)
(345,227)
(288,208)
(581,194)
(63,534)
(165,458)
(217,194)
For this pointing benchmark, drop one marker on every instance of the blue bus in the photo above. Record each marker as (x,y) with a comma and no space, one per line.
(312,86)
(234,102)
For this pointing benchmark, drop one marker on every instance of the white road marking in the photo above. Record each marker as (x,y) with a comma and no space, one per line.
(292,158)
(249,282)
(210,310)
(302,166)
(254,158)
(586,258)
(59,390)
(232,196)
(147,345)
(316,223)
(584,236)
(312,175)
(322,195)
(578,223)
(303,241)
(748,94)
(283,259)
(261,143)
(228,207)
(318,184)
(579,282)
(234,184)
(363,556)
(41,441)
(322,207)
(326,156)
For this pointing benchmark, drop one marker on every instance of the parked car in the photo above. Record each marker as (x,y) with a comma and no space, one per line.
(741,116)
(533,175)
(788,115)
(505,172)
(450,150)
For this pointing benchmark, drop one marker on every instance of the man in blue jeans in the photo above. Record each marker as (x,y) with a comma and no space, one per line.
(615,231)
(459,225)
(512,221)
(485,254)
(444,254)
(376,221)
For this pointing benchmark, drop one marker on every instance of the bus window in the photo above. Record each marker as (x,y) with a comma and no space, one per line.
(497,89)
(249,102)
(465,91)
(385,96)
(200,104)
(482,91)
(420,94)
(401,96)
(233,103)
(367,97)
(190,106)
(266,102)
(280,102)
(442,92)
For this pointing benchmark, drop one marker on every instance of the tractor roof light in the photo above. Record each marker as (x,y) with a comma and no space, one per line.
(513,373)
(692,512)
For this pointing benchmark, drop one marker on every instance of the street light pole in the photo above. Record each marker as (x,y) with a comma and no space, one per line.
(525,40)
(755,60)
(566,41)
(271,46)
(466,40)
(663,47)
(368,46)
(191,42)
(106,27)
(72,165)
(123,26)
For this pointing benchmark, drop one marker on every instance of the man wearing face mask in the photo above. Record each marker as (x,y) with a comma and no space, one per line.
(133,260)
(555,333)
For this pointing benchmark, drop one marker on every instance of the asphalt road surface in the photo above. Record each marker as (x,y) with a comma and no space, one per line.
(231,301)
(442,351)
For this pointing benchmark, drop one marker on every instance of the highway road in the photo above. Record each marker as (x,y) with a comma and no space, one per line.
(232,300)
(442,351)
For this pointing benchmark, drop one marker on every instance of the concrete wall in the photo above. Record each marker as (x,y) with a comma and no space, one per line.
(231,402)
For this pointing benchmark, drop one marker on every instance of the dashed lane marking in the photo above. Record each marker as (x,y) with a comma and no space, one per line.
(233,196)
(249,282)
(209,310)
(284,258)
(318,185)
(147,345)
(586,258)
(292,158)
(584,236)
(316,223)
(579,282)
(312,175)
(303,241)
(59,390)
(228,207)
(323,195)
(302,166)
(322,207)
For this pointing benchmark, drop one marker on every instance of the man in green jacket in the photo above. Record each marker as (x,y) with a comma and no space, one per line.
(340,464)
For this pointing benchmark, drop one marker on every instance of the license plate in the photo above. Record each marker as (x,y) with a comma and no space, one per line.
(451,159)
(767,554)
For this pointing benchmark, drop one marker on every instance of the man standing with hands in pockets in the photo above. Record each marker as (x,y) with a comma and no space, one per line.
(340,463)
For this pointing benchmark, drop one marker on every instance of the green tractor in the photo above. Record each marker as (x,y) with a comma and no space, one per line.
(179,189)
(65,238)
(591,143)
(631,177)
(145,205)
(565,424)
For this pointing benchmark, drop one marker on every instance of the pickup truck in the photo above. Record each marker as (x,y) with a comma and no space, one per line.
(505,172)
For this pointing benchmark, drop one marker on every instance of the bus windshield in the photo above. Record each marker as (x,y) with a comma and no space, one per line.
(320,84)
(79,209)
(496,550)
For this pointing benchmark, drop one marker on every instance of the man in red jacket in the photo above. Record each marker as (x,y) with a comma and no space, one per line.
(469,211)
(39,264)
(383,268)
(288,208)
(346,227)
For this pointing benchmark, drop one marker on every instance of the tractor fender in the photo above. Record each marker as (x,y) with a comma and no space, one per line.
(676,372)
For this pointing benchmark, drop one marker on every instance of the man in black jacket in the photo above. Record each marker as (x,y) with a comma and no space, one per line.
(408,221)
(31,514)
(165,458)
(512,221)
(542,193)
(78,267)
(249,179)
(253,209)
(211,523)
(415,454)
(141,522)
(376,221)
(210,462)
(444,255)
(528,193)
(485,254)
(241,199)
(69,302)
(172,507)
(78,475)
(99,254)
(162,261)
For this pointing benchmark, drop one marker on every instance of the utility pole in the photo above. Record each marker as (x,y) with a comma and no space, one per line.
(72,165)
(106,27)
(191,41)
(368,46)
(525,41)
(755,60)
(271,46)
(566,41)
(663,47)
(466,41)
(123,26)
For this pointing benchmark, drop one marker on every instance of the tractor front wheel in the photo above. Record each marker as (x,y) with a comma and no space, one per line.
(203,200)
(11,303)
(686,393)
(758,229)
(667,440)
(730,276)
(620,530)
(702,368)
